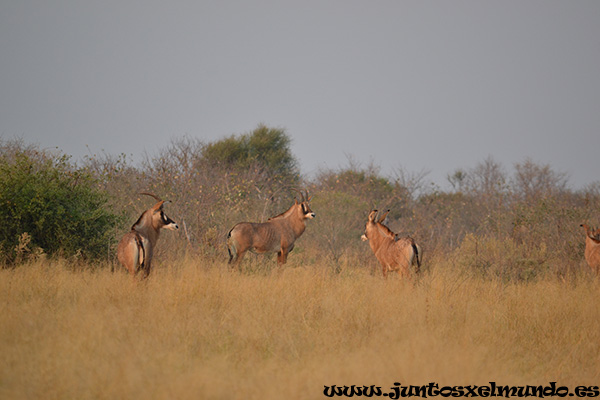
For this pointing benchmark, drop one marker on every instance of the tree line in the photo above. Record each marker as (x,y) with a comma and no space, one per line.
(514,224)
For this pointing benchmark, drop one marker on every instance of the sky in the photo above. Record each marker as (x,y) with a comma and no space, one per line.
(420,86)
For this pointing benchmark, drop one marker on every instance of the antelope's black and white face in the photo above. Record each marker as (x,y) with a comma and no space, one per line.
(306,211)
(164,221)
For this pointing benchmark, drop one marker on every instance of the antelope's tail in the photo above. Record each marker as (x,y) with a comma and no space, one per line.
(231,247)
(417,256)
(141,250)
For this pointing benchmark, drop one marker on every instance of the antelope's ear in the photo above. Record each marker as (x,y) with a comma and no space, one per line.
(157,207)
(295,200)
(372,215)
(383,216)
(309,197)
(587,229)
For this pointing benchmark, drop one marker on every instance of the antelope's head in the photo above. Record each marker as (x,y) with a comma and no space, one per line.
(375,226)
(303,207)
(592,233)
(160,219)
(155,217)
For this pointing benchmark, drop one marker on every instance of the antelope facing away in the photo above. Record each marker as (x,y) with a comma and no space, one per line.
(278,234)
(136,248)
(592,248)
(392,252)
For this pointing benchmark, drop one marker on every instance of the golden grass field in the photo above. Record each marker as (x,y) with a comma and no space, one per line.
(195,330)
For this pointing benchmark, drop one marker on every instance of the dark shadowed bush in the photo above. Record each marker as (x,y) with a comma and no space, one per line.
(49,206)
(266,148)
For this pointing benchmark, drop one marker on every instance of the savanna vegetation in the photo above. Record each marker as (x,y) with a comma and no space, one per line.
(504,293)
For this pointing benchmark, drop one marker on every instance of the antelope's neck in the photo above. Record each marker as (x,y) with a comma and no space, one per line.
(591,243)
(377,239)
(298,227)
(146,229)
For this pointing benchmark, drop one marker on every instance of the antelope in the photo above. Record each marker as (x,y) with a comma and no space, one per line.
(592,247)
(278,234)
(393,253)
(136,248)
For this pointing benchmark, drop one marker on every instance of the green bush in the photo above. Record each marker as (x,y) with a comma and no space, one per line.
(265,148)
(49,206)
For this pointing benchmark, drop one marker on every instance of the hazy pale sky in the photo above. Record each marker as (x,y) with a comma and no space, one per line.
(434,85)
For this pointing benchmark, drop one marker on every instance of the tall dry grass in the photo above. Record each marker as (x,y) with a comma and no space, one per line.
(197,331)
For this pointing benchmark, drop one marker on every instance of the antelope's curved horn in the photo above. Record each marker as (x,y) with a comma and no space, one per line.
(307,198)
(151,195)
(300,193)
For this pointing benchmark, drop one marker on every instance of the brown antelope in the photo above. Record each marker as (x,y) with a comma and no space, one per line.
(278,234)
(393,253)
(136,248)
(592,247)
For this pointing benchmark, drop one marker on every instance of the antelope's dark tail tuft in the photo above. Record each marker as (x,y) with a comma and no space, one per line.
(229,246)
(417,256)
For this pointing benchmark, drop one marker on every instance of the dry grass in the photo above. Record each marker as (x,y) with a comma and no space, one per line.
(196,331)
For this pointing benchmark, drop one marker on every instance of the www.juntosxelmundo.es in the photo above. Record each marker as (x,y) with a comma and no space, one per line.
(435,390)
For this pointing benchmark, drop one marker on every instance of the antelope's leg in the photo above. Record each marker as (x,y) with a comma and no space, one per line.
(385,270)
(282,256)
(283,253)
(235,264)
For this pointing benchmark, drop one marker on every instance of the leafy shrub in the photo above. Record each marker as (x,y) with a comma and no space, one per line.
(52,205)
(265,148)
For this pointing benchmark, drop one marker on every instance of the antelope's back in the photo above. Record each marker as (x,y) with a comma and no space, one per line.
(592,253)
(262,236)
(406,249)
(398,251)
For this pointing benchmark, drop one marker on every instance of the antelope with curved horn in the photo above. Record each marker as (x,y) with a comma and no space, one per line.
(592,247)
(393,253)
(277,234)
(136,248)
